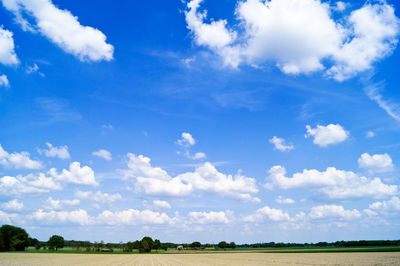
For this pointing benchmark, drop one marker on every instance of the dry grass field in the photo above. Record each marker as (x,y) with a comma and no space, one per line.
(380,258)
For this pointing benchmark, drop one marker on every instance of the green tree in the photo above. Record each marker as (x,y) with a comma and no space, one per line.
(222,244)
(146,244)
(13,238)
(157,244)
(195,245)
(232,245)
(55,242)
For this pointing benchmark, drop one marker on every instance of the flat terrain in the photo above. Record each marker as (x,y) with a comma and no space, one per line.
(354,258)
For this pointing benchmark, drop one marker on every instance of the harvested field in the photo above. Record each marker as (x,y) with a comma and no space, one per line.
(380,258)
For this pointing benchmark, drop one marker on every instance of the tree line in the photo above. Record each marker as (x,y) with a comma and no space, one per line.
(14,238)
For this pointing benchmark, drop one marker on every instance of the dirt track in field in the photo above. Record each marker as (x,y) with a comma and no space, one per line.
(378,258)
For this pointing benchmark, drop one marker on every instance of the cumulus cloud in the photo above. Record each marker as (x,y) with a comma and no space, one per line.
(392,205)
(327,135)
(60,151)
(7,218)
(280,145)
(98,196)
(54,204)
(206,178)
(4,81)
(340,6)
(283,200)
(334,183)
(60,27)
(133,217)
(30,184)
(333,211)
(7,52)
(377,163)
(299,36)
(105,154)
(161,204)
(213,35)
(80,217)
(187,140)
(16,160)
(13,205)
(272,214)
(222,217)
(76,174)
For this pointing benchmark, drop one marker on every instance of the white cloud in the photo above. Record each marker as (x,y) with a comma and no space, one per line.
(213,35)
(283,200)
(199,155)
(299,36)
(133,217)
(30,184)
(7,52)
(33,69)
(370,134)
(76,174)
(98,196)
(377,163)
(334,183)
(280,145)
(13,205)
(60,151)
(392,205)
(18,160)
(4,81)
(80,217)
(54,204)
(374,29)
(155,181)
(187,140)
(272,214)
(161,204)
(327,135)
(333,211)
(103,154)
(222,217)
(62,28)
(390,107)
(340,6)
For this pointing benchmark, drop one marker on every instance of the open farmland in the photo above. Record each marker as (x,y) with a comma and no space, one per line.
(380,258)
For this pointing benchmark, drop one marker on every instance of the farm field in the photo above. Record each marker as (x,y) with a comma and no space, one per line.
(354,258)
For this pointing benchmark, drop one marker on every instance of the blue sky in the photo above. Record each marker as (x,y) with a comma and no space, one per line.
(249,121)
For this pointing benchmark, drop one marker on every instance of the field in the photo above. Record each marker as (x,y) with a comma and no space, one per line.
(353,258)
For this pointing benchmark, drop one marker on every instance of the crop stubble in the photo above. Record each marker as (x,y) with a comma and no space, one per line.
(379,258)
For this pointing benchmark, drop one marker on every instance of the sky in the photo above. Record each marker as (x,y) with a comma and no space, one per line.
(246,121)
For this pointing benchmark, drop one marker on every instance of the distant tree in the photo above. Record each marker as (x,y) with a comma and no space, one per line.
(195,244)
(13,238)
(109,246)
(87,245)
(157,244)
(55,242)
(146,244)
(222,244)
(164,246)
(232,245)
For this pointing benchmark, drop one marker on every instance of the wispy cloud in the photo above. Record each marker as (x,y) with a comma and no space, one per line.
(57,110)
(374,93)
